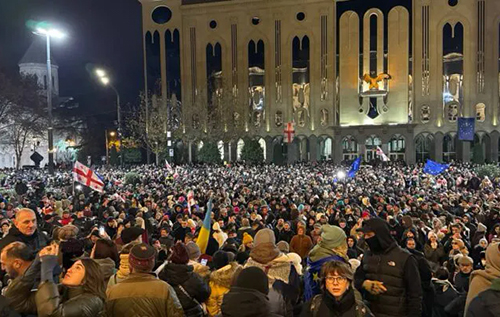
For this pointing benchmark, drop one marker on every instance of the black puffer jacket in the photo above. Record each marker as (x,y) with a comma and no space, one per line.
(244,302)
(180,275)
(397,269)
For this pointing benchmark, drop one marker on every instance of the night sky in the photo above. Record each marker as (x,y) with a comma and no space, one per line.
(102,32)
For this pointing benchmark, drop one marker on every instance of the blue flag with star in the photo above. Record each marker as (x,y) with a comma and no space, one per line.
(466,129)
(354,167)
(312,279)
(434,168)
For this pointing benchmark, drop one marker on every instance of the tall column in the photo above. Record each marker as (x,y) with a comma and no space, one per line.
(494,146)
(313,149)
(438,147)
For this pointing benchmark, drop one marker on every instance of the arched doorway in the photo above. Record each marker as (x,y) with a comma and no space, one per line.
(424,144)
(449,148)
(371,144)
(262,144)
(304,154)
(239,148)
(279,151)
(397,148)
(325,148)
(350,148)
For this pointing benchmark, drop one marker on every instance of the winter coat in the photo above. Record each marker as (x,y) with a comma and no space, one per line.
(487,303)
(244,302)
(481,280)
(435,256)
(73,302)
(284,282)
(5,310)
(285,236)
(142,294)
(326,305)
(122,273)
(180,275)
(444,294)
(462,282)
(301,244)
(35,242)
(220,283)
(397,269)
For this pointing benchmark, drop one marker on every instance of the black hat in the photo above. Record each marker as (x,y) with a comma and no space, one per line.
(130,234)
(253,278)
(142,257)
(220,259)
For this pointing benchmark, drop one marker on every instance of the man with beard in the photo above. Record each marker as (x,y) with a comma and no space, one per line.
(388,275)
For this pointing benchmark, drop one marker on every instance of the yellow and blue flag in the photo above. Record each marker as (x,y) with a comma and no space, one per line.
(204,234)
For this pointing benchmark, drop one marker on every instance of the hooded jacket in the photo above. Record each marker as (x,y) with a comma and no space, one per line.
(220,283)
(179,275)
(397,269)
(481,280)
(486,304)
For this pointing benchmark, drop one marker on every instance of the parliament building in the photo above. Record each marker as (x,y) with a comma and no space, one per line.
(350,75)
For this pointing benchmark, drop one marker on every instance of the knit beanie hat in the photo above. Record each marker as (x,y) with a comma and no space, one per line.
(332,237)
(465,260)
(283,246)
(180,254)
(142,257)
(265,235)
(220,259)
(253,278)
(193,250)
(247,238)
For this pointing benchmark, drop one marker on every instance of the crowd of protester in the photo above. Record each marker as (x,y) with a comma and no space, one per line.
(296,240)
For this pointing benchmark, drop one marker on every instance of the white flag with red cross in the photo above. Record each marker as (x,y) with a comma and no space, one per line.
(382,154)
(87,177)
(289,132)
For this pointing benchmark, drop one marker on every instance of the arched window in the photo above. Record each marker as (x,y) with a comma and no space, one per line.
(350,148)
(371,144)
(397,147)
(423,147)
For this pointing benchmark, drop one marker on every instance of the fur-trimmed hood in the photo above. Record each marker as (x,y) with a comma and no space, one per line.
(277,269)
(224,276)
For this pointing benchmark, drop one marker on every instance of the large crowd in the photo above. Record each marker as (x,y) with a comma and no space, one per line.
(299,240)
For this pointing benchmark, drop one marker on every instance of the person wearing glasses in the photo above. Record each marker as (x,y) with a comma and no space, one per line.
(337,297)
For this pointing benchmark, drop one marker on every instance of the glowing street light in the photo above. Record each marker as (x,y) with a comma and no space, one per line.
(106,81)
(341,175)
(43,29)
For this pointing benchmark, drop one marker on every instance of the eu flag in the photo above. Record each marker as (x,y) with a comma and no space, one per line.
(434,168)
(354,167)
(466,129)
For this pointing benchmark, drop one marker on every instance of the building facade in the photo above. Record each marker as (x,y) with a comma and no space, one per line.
(351,75)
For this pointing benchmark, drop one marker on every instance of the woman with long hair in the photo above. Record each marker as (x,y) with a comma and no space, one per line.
(81,293)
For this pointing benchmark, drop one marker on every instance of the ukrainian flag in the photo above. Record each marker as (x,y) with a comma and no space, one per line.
(204,234)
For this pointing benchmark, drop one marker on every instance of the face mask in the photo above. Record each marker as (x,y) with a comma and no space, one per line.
(374,245)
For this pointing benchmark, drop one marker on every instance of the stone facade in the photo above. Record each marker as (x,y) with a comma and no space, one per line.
(351,77)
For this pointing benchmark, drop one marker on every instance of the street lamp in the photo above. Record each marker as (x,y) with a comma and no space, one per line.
(104,78)
(49,33)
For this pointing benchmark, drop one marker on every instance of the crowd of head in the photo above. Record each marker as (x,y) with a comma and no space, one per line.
(283,241)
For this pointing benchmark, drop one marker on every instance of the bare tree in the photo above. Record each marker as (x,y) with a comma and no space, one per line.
(21,106)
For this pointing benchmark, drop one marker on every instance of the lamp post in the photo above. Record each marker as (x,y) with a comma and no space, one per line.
(102,75)
(112,133)
(49,33)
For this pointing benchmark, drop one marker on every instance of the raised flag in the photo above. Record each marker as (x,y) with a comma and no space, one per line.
(466,128)
(354,167)
(204,234)
(382,154)
(168,166)
(434,168)
(87,177)
(289,133)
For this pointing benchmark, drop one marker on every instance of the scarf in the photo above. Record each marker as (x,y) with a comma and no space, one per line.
(124,270)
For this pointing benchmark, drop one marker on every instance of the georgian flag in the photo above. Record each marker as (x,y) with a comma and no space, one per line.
(382,154)
(168,166)
(87,177)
